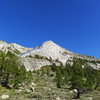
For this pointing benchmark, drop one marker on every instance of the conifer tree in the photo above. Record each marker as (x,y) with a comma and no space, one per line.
(77,79)
(59,77)
(11,74)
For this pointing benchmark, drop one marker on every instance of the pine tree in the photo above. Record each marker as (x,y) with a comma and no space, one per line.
(77,79)
(59,77)
(92,78)
(67,73)
(11,74)
(29,77)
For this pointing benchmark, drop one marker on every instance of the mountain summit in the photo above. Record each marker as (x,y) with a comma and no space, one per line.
(51,50)
(46,54)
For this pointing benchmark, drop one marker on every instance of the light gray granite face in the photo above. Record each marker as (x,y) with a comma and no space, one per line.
(5,47)
(48,50)
(51,50)
(34,64)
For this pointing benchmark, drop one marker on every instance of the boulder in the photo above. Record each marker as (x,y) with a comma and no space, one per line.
(58,98)
(49,89)
(73,91)
(90,98)
(33,84)
(4,97)
(32,88)
(28,90)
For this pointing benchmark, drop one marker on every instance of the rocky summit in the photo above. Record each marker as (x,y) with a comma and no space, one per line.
(46,54)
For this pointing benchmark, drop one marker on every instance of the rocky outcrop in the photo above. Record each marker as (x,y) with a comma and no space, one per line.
(34,63)
(20,48)
(15,48)
(53,51)
(48,53)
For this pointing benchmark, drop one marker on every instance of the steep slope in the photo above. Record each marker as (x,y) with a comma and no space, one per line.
(15,48)
(20,48)
(46,54)
(49,53)
(51,50)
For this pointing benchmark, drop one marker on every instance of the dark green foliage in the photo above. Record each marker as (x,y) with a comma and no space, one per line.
(59,71)
(97,79)
(42,57)
(30,56)
(29,77)
(67,73)
(11,74)
(92,78)
(83,61)
(17,52)
(54,67)
(77,80)
(45,70)
(59,78)
(83,79)
(38,57)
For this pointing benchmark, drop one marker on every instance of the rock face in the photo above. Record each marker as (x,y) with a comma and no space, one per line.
(17,49)
(46,54)
(53,51)
(34,63)
(20,48)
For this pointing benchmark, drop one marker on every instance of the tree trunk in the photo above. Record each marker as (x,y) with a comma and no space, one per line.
(78,94)
(58,84)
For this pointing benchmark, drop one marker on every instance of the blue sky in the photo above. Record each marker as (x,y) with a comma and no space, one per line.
(73,24)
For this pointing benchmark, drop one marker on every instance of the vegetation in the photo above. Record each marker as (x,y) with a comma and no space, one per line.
(17,52)
(83,61)
(51,81)
(41,57)
(11,74)
(84,80)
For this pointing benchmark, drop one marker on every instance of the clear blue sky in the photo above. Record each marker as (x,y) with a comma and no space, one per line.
(73,24)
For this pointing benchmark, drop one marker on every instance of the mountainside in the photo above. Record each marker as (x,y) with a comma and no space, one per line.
(17,49)
(46,54)
(54,79)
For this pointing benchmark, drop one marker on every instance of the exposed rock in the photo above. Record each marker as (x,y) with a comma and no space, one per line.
(34,63)
(33,84)
(28,90)
(58,98)
(15,48)
(51,50)
(32,88)
(50,53)
(90,98)
(19,90)
(73,91)
(83,66)
(49,89)
(20,48)
(4,97)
